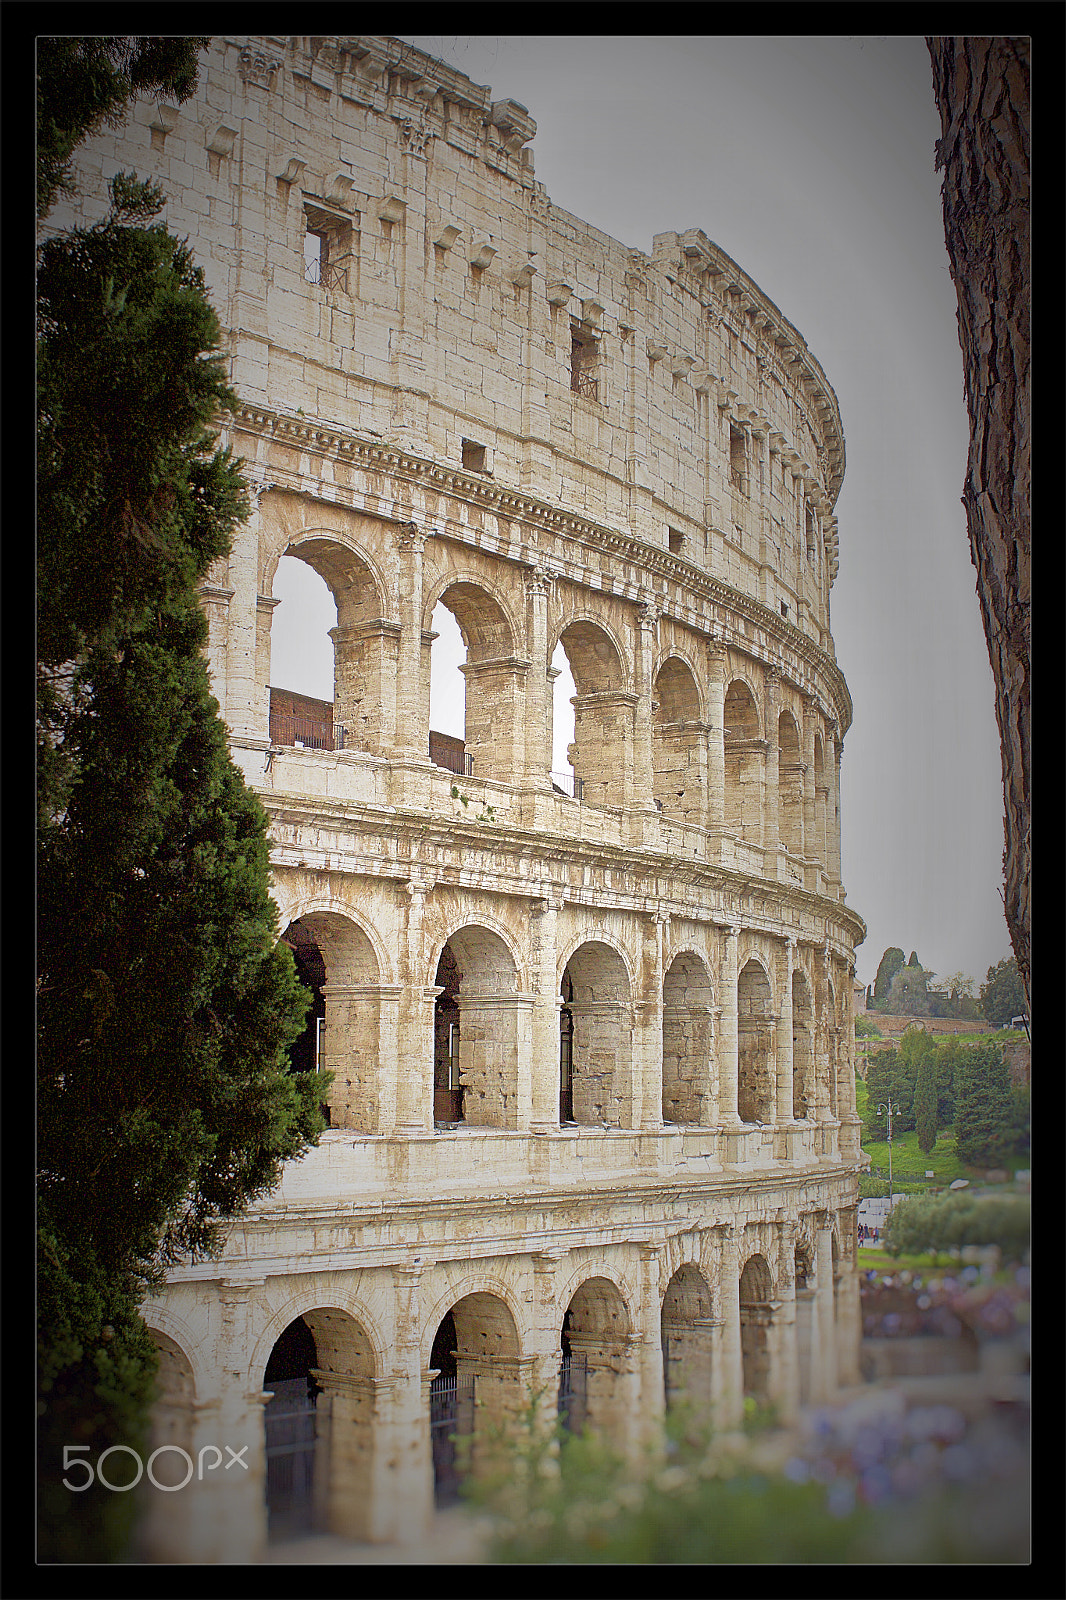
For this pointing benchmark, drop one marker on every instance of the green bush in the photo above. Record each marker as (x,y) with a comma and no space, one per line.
(937,1224)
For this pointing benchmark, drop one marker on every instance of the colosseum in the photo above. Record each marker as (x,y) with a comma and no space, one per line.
(592,1122)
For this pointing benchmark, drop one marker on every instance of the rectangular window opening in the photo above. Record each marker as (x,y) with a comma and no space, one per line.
(677,541)
(328,246)
(738,459)
(474,456)
(583,362)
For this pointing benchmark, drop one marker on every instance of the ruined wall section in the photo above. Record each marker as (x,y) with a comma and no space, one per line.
(454,299)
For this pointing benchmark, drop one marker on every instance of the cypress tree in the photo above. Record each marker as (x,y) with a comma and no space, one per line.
(925,1102)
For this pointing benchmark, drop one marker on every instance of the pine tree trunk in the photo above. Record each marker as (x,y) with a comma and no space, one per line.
(982,92)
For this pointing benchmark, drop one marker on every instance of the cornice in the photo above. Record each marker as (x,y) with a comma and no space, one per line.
(335,443)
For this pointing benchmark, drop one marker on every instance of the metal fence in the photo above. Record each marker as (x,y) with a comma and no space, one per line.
(305,733)
(573,1393)
(451,1416)
(567,783)
(458,761)
(290,1456)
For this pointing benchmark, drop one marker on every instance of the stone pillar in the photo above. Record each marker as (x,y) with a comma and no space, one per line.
(652,1387)
(834,811)
(716,736)
(537,721)
(823,1363)
(215,600)
(227,1510)
(771,801)
(648,1113)
(811,714)
(848,1305)
(406,1461)
(412,694)
(544,1339)
(784,1039)
(414,1074)
(352,1485)
(242,636)
(644,657)
(784,1353)
(729,1369)
(544,1074)
(728,1038)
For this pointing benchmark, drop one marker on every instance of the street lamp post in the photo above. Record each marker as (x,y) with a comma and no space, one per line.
(892,1110)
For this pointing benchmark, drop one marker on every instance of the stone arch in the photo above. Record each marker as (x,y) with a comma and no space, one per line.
(338,961)
(477,1391)
(756,1045)
(688,1042)
(598,1331)
(366,645)
(321,1424)
(494,673)
(790,782)
(597,989)
(679,745)
(745,763)
(481,1030)
(687,1323)
(602,752)
(803,1095)
(756,1318)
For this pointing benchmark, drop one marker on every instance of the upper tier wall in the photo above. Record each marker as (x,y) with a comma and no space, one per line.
(460,315)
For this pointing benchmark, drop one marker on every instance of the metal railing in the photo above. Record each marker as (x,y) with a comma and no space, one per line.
(458,761)
(305,733)
(567,783)
(583,381)
(334,275)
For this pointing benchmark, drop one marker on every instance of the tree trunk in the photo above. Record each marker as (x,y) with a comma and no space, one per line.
(982,92)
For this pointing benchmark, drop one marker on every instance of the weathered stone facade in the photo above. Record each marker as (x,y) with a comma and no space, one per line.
(484,402)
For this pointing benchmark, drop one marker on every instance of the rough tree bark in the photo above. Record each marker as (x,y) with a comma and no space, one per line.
(982,93)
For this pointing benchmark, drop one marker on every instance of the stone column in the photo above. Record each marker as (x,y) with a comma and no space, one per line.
(406,1461)
(246,726)
(544,1074)
(215,601)
(728,1039)
(414,1075)
(823,1363)
(539,701)
(729,1369)
(716,736)
(544,1340)
(784,1039)
(811,714)
(648,1113)
(834,811)
(412,694)
(644,657)
(771,805)
(784,1354)
(227,1511)
(848,1304)
(652,1387)
(352,1484)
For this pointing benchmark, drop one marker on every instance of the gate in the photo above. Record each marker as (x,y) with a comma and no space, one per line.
(573,1391)
(290,1457)
(451,1413)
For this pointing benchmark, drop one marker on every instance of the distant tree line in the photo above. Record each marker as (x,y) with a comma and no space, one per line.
(907,989)
(938,1084)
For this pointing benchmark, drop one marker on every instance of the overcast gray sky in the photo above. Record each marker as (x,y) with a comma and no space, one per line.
(810,162)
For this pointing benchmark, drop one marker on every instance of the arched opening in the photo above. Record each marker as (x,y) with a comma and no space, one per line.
(821,795)
(679,748)
(598,1334)
(687,1042)
(479,1032)
(573,1382)
(163,1532)
(563,691)
(802,1048)
(447,694)
(601,1084)
(302,657)
(790,783)
(805,1320)
(292,1455)
(321,1426)
(362,714)
(756,1317)
(603,715)
(494,679)
(687,1339)
(566,1051)
(336,960)
(476,1392)
(744,763)
(756,1078)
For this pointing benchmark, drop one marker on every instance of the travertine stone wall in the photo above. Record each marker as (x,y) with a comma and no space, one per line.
(483,402)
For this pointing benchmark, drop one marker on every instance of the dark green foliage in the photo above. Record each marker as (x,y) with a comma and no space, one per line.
(912,959)
(909,993)
(1002,994)
(889,1076)
(891,962)
(866,1028)
(939,1223)
(925,1102)
(985,1130)
(83,83)
(166,1006)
